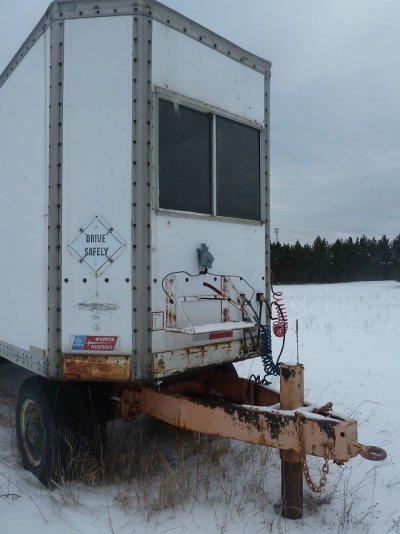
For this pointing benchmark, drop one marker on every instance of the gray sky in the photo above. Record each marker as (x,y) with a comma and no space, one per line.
(335,104)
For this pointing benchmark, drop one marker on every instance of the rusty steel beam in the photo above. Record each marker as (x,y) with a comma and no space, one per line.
(207,408)
(114,368)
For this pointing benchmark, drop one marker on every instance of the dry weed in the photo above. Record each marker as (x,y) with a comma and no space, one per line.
(155,467)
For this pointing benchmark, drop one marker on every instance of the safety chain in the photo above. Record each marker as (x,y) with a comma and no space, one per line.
(317,488)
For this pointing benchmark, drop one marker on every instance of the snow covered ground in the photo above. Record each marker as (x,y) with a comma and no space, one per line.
(349,343)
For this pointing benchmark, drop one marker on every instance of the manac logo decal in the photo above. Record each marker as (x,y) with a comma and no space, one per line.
(94,343)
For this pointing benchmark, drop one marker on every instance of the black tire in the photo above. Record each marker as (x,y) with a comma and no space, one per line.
(42,426)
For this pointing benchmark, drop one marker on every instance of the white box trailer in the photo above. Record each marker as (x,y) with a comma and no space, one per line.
(130,136)
(134,168)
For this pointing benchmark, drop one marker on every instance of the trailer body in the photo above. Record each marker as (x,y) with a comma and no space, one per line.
(130,136)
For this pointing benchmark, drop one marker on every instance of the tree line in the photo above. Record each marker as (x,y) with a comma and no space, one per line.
(348,260)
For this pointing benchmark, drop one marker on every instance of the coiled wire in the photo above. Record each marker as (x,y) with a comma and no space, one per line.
(280,323)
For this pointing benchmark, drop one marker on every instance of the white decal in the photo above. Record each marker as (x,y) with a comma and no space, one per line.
(97,245)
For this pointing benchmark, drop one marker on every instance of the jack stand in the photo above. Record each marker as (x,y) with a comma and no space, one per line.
(291,397)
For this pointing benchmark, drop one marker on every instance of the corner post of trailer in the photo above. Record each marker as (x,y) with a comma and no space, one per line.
(54,208)
(141,196)
(265,193)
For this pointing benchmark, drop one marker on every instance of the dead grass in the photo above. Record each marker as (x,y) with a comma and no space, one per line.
(7,403)
(154,467)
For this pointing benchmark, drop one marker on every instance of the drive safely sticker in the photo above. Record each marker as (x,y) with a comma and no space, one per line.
(94,343)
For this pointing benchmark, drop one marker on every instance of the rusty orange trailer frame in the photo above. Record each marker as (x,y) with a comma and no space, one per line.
(214,403)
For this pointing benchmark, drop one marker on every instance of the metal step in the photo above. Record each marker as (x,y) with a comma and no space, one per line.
(215,327)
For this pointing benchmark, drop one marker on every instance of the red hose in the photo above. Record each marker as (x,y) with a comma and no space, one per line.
(280,323)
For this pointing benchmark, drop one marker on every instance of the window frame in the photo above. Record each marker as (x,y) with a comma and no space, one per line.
(162,94)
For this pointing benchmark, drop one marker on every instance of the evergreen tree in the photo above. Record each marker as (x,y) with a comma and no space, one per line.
(338,261)
(384,259)
(345,261)
(320,261)
(395,245)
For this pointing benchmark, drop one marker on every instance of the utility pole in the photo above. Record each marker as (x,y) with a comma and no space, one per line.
(276,230)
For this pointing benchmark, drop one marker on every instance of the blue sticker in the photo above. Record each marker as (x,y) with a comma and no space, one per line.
(79,342)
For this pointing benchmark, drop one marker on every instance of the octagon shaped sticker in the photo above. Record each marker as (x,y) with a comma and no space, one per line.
(97,245)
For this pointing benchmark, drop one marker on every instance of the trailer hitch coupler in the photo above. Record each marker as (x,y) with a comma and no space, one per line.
(371,452)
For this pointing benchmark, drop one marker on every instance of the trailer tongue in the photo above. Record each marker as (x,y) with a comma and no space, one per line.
(215,403)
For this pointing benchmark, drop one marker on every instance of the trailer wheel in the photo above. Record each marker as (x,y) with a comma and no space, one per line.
(41,426)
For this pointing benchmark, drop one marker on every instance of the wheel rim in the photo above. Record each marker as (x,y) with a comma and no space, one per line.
(32,432)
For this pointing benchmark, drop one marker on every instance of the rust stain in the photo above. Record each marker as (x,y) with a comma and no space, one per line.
(244,415)
(286,372)
(159,366)
(276,424)
(225,290)
(99,367)
(273,423)
(181,360)
(171,316)
(328,428)
(97,306)
(170,312)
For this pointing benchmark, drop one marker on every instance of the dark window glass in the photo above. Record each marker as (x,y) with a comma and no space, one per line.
(238,170)
(184,158)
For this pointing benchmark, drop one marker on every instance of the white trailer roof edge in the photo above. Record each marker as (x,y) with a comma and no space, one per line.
(32,38)
(60,10)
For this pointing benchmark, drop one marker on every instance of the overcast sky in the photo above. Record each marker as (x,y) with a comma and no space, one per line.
(335,104)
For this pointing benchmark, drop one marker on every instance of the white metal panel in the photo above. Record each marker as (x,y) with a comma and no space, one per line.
(24,143)
(187,67)
(238,249)
(97,130)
